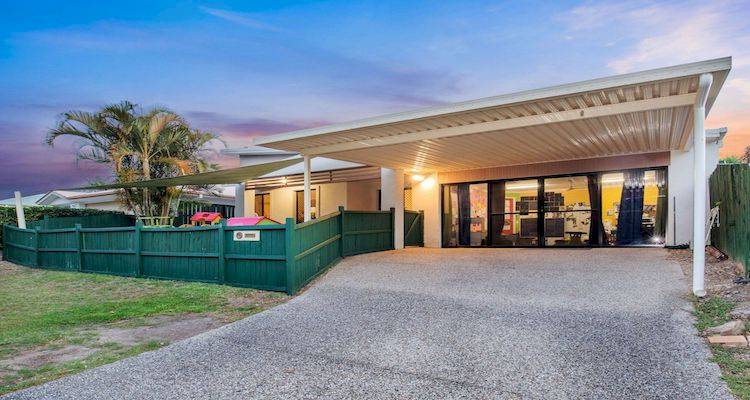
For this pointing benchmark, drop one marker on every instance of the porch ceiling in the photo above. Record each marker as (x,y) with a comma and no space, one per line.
(634,113)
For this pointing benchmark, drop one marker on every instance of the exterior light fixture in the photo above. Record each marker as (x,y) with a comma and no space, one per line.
(284,181)
(417,178)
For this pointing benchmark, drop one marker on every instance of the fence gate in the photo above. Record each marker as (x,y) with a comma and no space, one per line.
(413,228)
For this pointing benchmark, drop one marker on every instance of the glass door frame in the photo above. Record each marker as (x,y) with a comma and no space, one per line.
(596,213)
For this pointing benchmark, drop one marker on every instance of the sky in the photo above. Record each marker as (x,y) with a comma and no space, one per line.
(249,68)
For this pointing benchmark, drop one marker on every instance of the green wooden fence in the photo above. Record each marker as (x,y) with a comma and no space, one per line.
(414,228)
(285,258)
(730,189)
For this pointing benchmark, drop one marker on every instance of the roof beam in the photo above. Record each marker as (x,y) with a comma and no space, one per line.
(512,123)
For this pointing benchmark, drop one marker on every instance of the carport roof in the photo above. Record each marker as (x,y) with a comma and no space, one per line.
(634,113)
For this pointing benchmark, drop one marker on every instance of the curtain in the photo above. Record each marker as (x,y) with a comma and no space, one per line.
(464,215)
(660,225)
(597,226)
(630,218)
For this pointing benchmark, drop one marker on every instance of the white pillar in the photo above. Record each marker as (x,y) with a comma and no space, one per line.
(392,193)
(307,197)
(699,185)
(249,210)
(20,216)
(239,200)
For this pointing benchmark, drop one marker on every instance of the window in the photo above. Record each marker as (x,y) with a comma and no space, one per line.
(465,214)
(514,213)
(263,205)
(634,207)
(300,215)
(567,211)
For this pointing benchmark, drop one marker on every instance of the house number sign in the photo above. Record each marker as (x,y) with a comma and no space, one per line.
(247,236)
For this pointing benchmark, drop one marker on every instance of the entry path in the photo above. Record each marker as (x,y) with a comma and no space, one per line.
(450,323)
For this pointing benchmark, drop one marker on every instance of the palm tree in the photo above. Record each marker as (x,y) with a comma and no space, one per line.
(139,145)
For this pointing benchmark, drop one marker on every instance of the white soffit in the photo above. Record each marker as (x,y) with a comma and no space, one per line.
(641,112)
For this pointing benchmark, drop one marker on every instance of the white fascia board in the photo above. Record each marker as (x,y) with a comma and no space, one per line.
(513,123)
(678,71)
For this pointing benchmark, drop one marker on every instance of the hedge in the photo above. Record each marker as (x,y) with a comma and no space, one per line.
(35,213)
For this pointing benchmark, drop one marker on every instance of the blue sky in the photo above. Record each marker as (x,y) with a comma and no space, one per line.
(244,69)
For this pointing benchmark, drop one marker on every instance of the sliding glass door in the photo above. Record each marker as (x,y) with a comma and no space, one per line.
(514,213)
(634,206)
(465,214)
(567,211)
(618,208)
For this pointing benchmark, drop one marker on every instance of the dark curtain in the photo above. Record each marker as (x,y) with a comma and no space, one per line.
(497,212)
(660,225)
(464,215)
(630,218)
(597,227)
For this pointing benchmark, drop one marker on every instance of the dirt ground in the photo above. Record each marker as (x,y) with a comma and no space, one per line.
(720,275)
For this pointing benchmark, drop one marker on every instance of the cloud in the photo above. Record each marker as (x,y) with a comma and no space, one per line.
(38,168)
(244,19)
(238,131)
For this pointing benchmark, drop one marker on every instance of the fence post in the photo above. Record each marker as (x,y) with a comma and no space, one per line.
(79,246)
(289,253)
(5,239)
(137,245)
(393,228)
(342,211)
(421,228)
(36,246)
(222,260)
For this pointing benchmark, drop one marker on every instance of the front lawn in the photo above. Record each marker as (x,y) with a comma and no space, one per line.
(57,323)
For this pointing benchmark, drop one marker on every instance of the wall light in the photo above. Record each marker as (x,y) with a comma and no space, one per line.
(427,183)
(284,181)
(417,178)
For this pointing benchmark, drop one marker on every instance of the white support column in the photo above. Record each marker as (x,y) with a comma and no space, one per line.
(699,185)
(239,200)
(20,216)
(392,192)
(307,197)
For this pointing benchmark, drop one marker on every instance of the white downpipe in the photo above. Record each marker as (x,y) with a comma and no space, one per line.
(20,216)
(699,185)
(307,199)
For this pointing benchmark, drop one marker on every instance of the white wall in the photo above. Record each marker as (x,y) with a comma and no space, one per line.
(328,198)
(425,196)
(680,190)
(362,195)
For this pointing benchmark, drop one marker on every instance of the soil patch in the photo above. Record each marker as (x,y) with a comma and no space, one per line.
(36,358)
(720,275)
(163,328)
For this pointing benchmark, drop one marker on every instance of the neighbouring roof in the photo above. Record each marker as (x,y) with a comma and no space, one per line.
(641,112)
(26,200)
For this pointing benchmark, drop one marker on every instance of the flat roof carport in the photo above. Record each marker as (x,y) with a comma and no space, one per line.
(644,112)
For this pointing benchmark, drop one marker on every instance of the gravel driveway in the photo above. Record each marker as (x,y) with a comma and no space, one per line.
(450,323)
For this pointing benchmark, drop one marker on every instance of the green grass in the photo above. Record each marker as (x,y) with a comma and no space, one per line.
(711,312)
(734,362)
(735,370)
(42,309)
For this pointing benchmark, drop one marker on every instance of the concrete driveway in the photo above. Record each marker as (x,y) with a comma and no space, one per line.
(453,323)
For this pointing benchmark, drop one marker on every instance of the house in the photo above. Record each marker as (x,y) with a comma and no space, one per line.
(279,194)
(615,161)
(108,199)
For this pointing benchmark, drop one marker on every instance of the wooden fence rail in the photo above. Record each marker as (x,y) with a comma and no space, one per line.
(285,258)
